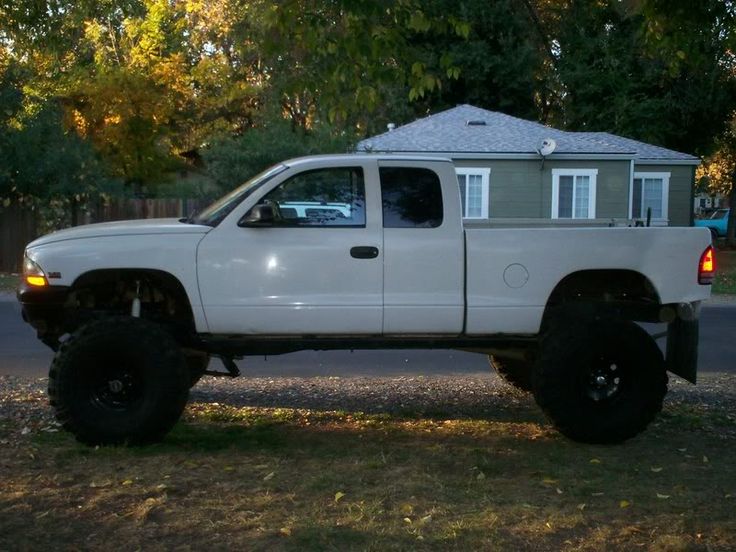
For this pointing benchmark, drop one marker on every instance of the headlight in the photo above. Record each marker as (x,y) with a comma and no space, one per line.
(33,274)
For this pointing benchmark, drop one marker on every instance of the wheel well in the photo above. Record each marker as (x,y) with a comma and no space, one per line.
(624,293)
(163,298)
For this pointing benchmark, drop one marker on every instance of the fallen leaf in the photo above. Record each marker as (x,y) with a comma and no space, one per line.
(549,481)
(656,469)
(682,450)
(582,506)
(269,476)
(559,491)
(127,482)
(481,476)
(406,509)
(662,496)
(426,519)
(597,494)
(595,461)
(101,484)
(407,520)
(286,531)
(624,504)
(705,459)
(339,495)
(229,468)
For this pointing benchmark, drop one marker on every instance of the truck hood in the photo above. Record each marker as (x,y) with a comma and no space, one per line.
(122,228)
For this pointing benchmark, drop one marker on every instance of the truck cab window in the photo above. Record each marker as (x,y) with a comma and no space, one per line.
(412,198)
(321,197)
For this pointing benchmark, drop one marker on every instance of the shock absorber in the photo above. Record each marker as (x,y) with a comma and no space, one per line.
(135,308)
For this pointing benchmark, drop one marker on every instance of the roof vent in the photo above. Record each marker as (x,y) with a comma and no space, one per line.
(391,127)
(475,123)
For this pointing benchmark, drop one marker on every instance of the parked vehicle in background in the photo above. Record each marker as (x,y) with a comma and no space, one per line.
(361,252)
(717,223)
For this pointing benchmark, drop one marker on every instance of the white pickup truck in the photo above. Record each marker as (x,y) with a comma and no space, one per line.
(361,251)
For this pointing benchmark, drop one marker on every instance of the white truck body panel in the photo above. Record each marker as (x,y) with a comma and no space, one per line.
(512,272)
(424,281)
(423,273)
(294,280)
(157,244)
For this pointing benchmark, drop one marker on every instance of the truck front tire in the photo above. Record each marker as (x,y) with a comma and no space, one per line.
(600,382)
(119,380)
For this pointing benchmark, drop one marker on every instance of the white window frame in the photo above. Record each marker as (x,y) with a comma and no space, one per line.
(485,174)
(665,176)
(557,173)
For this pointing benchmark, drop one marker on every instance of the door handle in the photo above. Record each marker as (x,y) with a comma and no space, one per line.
(364,252)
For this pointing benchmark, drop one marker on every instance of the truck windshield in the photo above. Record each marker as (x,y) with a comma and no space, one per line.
(215,213)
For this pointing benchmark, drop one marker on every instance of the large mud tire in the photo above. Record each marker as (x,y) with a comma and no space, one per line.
(601,382)
(513,371)
(119,380)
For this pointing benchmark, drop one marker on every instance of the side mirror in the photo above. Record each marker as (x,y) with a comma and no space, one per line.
(259,215)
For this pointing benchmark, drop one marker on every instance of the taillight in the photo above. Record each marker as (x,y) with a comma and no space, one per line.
(707,266)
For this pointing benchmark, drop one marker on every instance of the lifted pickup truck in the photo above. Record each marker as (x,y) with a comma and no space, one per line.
(361,251)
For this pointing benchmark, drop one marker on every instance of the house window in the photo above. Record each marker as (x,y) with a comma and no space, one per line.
(474,185)
(650,191)
(573,193)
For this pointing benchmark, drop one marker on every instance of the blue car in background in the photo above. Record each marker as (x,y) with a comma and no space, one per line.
(717,222)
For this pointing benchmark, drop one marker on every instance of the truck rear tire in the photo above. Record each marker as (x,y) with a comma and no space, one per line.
(119,380)
(600,382)
(513,371)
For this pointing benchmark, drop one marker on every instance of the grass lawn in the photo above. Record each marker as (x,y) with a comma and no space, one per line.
(289,479)
(8,282)
(726,272)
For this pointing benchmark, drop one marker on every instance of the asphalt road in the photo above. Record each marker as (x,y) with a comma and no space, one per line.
(22,354)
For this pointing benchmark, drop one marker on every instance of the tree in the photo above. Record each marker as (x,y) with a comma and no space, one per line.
(657,71)
(501,66)
(719,171)
(345,60)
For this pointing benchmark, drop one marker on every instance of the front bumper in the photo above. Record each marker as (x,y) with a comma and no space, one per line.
(43,307)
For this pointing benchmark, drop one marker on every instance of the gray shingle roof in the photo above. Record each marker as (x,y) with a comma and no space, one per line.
(449,132)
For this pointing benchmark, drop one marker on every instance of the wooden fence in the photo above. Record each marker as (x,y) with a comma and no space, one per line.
(17,227)
(20,225)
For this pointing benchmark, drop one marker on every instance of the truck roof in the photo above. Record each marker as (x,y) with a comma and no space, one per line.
(341,157)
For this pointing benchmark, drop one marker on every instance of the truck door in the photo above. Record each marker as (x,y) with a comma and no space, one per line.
(316,269)
(423,249)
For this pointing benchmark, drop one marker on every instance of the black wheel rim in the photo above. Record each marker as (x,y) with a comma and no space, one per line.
(116,385)
(605,379)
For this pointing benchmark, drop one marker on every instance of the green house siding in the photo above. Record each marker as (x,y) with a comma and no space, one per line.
(682,179)
(519,189)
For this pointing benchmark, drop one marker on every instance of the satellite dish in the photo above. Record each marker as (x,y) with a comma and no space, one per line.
(546,147)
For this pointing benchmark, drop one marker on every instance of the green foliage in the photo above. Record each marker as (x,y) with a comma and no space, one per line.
(43,160)
(497,65)
(125,90)
(644,70)
(343,61)
(232,160)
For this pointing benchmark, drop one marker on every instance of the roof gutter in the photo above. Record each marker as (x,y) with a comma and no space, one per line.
(461,155)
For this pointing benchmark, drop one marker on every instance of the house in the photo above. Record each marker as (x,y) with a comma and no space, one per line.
(707,203)
(513,171)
